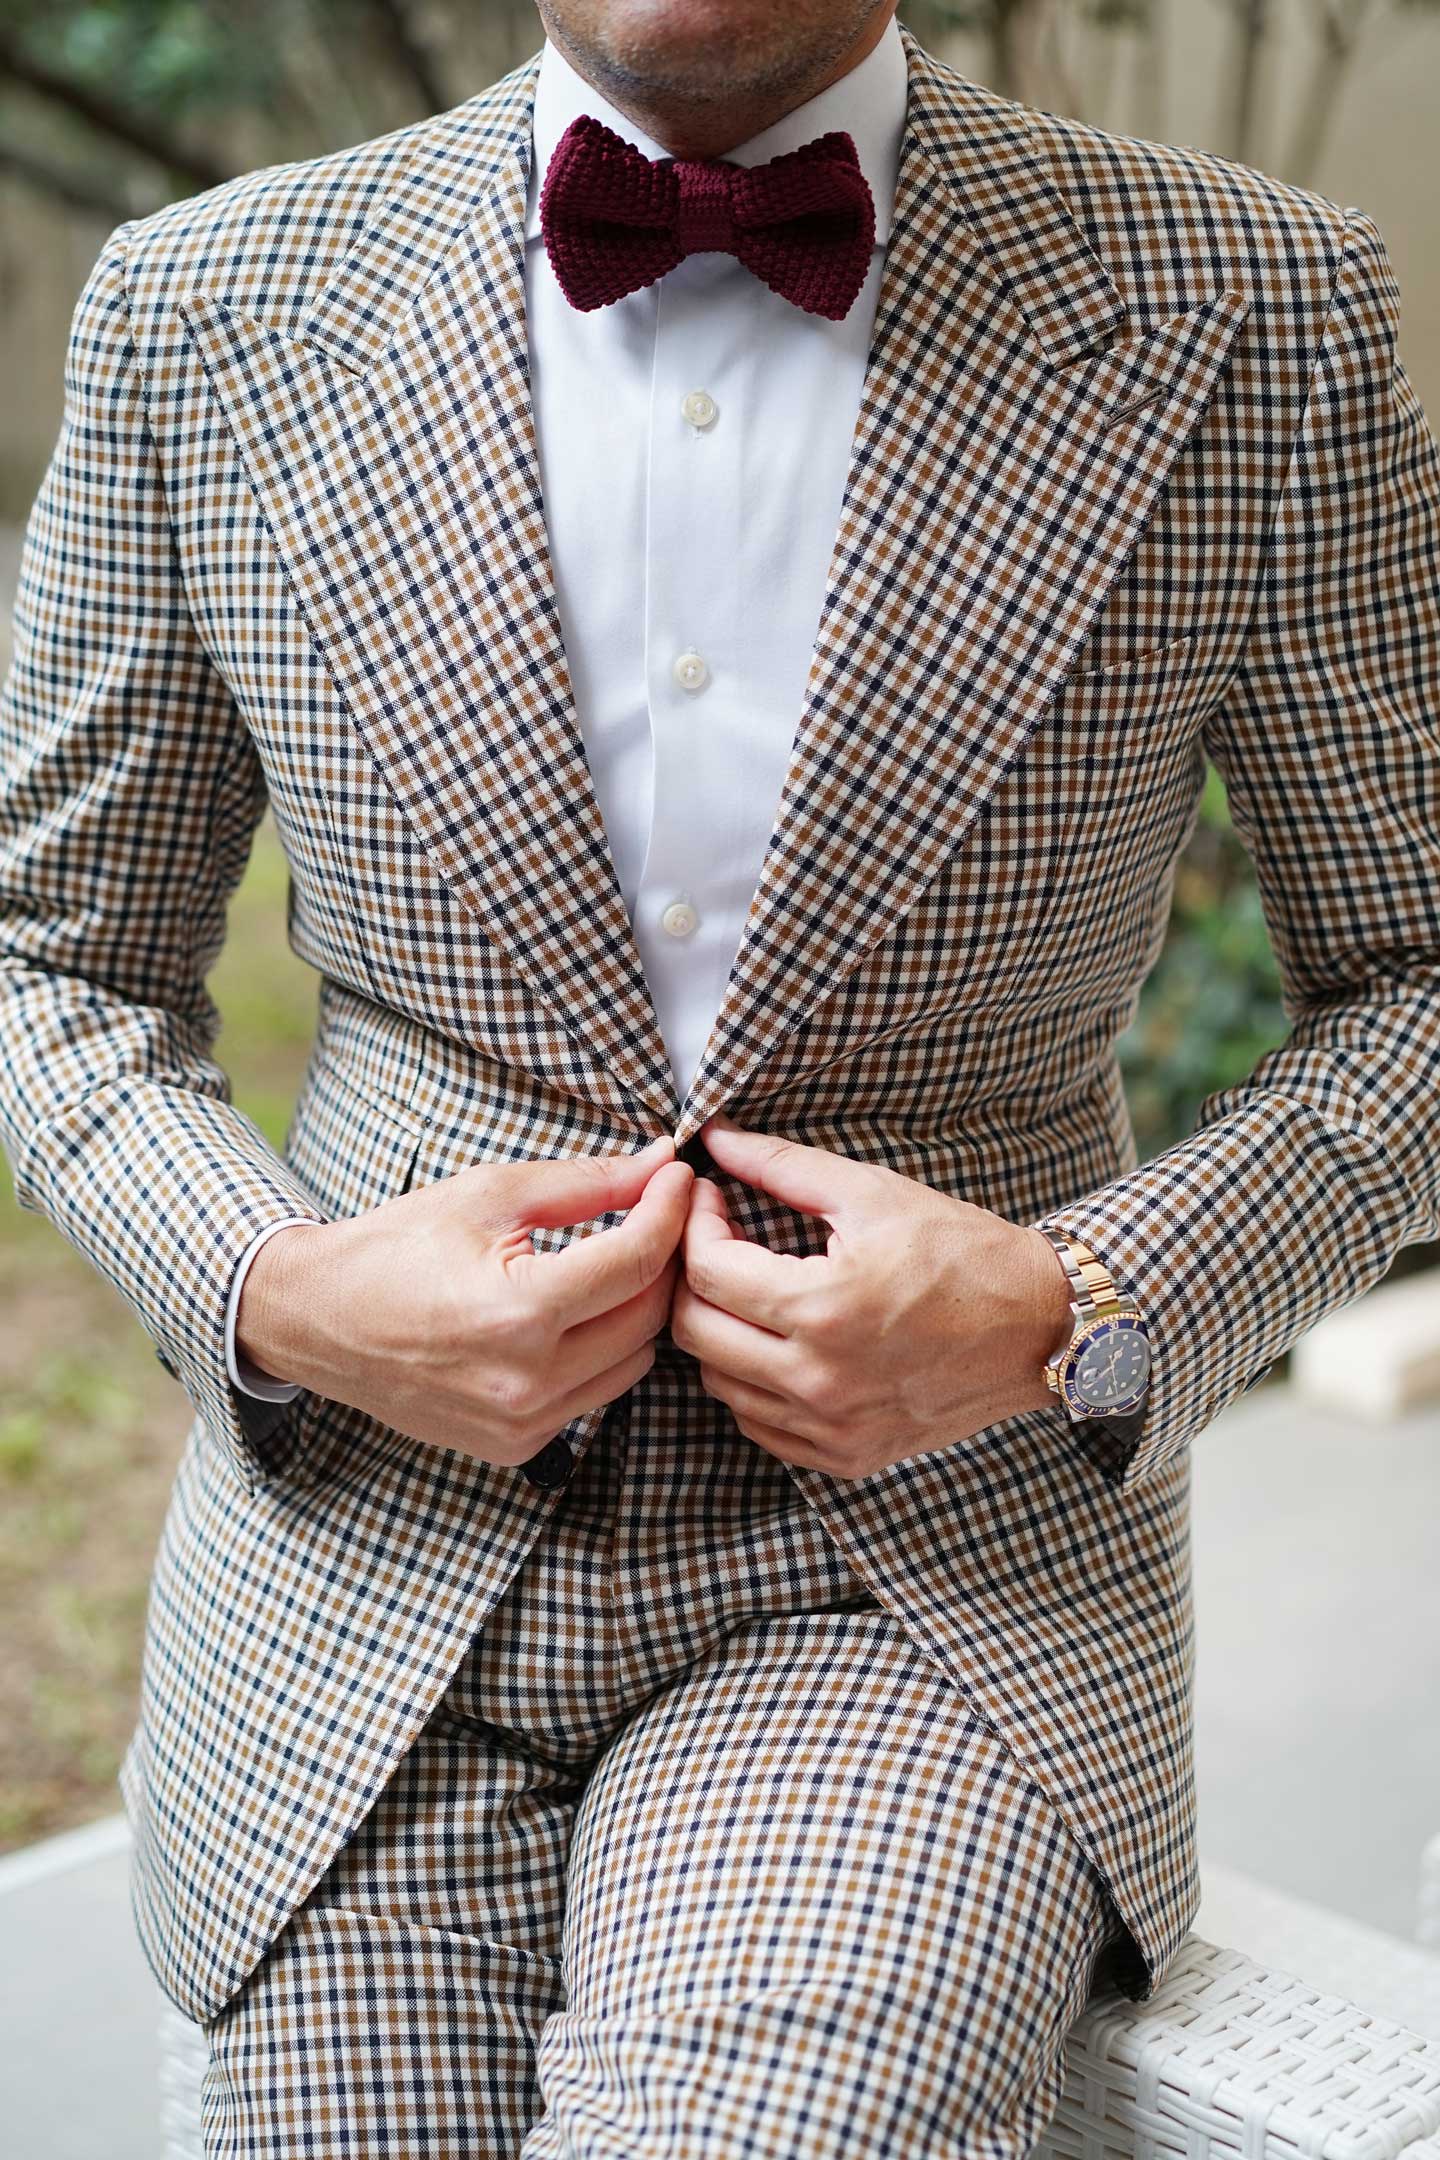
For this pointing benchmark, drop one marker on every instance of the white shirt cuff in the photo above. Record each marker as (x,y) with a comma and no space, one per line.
(243,1373)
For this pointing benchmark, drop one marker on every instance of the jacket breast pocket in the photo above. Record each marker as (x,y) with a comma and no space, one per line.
(1118,764)
(1146,704)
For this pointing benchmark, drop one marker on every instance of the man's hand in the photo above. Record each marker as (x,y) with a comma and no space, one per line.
(434,1313)
(925,1319)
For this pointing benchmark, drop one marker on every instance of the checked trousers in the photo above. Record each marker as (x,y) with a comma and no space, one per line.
(697,1856)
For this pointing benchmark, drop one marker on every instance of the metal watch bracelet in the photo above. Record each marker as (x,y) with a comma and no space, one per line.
(1090,1280)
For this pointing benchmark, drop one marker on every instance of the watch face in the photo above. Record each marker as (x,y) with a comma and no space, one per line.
(1112,1366)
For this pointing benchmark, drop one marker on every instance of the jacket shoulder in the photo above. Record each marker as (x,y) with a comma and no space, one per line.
(1171,220)
(268,240)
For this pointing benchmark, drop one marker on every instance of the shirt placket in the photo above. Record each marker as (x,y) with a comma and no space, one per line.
(694,650)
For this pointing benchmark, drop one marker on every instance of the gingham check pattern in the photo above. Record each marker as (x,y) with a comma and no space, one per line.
(697,1853)
(1137,474)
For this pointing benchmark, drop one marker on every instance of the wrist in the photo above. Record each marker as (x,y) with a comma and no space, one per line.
(1048,1320)
(272,1317)
(1054,1311)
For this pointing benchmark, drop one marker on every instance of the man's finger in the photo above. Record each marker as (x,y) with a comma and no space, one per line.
(784,1445)
(592,1274)
(719,1338)
(551,1191)
(809,1178)
(729,1271)
(706,1199)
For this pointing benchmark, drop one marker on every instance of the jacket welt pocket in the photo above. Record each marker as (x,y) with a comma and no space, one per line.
(1143,703)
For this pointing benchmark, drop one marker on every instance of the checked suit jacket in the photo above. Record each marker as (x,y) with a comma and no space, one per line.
(1137,477)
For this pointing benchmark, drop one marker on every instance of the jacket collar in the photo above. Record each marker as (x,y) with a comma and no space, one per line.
(965,155)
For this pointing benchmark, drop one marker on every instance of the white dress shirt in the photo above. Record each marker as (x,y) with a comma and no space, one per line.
(693,439)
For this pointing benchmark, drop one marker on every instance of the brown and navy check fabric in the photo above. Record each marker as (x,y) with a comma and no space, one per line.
(1137,476)
(697,1853)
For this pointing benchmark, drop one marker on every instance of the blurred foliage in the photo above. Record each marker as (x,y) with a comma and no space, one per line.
(131,102)
(168,57)
(1211,1006)
(188,91)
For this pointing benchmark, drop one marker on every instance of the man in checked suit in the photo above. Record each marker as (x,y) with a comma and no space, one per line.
(726,554)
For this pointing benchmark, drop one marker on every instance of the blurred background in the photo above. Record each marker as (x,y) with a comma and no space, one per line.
(1319,1674)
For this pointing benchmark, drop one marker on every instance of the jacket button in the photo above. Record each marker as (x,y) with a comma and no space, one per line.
(552,1466)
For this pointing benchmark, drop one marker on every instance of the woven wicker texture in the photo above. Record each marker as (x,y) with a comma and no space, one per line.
(1428,1927)
(1225,2058)
(1229,2057)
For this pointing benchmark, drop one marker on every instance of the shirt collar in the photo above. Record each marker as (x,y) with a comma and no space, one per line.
(868,102)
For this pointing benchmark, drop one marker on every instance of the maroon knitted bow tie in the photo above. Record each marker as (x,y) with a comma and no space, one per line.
(613,219)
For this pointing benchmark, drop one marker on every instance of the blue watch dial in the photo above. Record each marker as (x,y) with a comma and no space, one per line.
(1112,1367)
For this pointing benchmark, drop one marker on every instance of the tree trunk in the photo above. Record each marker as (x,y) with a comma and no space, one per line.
(1251,24)
(413,57)
(1337,36)
(1004,72)
(1152,73)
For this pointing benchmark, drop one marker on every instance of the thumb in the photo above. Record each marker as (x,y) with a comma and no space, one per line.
(838,1187)
(707,1222)
(552,1191)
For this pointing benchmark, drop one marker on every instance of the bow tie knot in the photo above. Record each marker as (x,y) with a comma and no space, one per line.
(613,219)
(703,216)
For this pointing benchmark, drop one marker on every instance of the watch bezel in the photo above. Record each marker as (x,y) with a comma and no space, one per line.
(1082,1340)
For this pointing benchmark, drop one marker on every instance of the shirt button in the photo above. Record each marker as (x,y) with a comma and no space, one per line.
(690,671)
(699,408)
(679,918)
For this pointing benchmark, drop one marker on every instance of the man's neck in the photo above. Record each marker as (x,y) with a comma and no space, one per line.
(686,131)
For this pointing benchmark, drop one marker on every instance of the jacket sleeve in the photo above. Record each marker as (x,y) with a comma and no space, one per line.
(1297,1187)
(129,795)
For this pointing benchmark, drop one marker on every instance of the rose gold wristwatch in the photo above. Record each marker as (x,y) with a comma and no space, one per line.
(1104,1368)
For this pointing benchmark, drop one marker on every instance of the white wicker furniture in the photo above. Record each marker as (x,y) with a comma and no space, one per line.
(1226,2058)
(1229,2057)
(1428,1931)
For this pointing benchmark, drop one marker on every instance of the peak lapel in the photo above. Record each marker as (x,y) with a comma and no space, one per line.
(1011,440)
(392,450)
